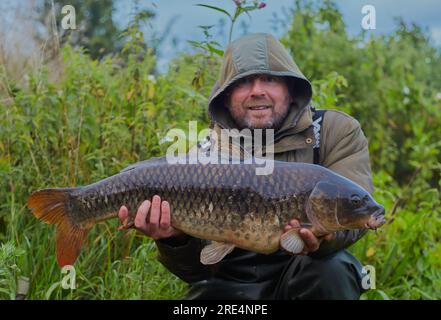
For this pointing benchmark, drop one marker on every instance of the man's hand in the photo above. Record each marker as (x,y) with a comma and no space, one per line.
(156,223)
(312,243)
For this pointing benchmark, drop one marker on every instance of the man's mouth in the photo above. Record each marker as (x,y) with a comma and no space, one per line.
(263,107)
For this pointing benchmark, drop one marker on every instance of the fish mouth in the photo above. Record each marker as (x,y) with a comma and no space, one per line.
(376,220)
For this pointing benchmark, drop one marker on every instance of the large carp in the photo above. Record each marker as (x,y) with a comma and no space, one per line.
(226,203)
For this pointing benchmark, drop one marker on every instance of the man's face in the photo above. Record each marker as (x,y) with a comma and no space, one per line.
(259,101)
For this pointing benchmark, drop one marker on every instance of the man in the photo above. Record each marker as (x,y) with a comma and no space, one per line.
(260,87)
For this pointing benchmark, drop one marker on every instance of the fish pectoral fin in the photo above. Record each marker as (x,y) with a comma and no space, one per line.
(215,252)
(292,242)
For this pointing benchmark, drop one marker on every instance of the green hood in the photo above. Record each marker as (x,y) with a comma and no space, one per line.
(260,54)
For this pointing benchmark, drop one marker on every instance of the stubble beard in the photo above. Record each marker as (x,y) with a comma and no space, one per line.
(274,123)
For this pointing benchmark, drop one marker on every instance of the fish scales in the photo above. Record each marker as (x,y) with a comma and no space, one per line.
(199,195)
(225,203)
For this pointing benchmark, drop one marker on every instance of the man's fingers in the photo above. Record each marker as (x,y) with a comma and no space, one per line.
(155,211)
(123,213)
(152,218)
(311,241)
(165,215)
(141,215)
(294,223)
(329,237)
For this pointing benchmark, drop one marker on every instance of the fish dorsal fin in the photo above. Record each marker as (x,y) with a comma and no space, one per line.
(145,163)
(292,242)
(215,252)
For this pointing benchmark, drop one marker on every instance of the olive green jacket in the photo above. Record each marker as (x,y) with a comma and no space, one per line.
(343,146)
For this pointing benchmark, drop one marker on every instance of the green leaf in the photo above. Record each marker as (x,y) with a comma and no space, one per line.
(215,50)
(215,8)
(196,44)
(383,295)
(388,265)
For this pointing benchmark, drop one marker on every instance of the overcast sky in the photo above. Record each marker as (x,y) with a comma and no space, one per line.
(184,18)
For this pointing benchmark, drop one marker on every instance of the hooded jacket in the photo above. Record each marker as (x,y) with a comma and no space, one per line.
(343,149)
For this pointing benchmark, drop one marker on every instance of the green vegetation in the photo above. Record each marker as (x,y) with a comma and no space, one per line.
(103,115)
(98,34)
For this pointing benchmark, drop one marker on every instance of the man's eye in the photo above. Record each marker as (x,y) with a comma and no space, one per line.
(244,81)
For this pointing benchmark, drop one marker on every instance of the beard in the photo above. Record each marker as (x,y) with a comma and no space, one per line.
(274,122)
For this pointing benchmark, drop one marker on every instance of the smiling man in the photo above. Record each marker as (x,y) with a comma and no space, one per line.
(260,87)
(259,101)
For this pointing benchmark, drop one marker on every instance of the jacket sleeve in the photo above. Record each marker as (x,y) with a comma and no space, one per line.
(344,150)
(182,258)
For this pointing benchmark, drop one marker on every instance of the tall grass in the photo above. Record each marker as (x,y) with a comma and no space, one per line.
(98,119)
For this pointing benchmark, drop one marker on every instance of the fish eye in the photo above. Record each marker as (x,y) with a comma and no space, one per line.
(355,200)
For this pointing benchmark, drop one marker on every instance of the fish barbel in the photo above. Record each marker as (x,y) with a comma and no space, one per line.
(225,203)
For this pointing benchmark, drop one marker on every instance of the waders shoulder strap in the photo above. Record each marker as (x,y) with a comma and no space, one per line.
(317,120)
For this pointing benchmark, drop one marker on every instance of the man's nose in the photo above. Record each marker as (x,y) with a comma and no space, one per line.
(257,88)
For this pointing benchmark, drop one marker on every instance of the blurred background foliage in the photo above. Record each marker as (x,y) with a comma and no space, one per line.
(96,32)
(108,107)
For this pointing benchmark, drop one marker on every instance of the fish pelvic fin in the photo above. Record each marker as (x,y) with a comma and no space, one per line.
(215,252)
(50,206)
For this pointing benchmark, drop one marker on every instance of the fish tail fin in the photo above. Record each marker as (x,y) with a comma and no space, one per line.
(51,206)
(70,239)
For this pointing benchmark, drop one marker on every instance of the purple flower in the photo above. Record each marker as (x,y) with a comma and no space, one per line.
(238,2)
(262,5)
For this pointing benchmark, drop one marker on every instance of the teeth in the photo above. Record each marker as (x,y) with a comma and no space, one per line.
(259,107)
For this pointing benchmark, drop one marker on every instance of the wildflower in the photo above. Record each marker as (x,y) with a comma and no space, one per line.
(406,90)
(262,5)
